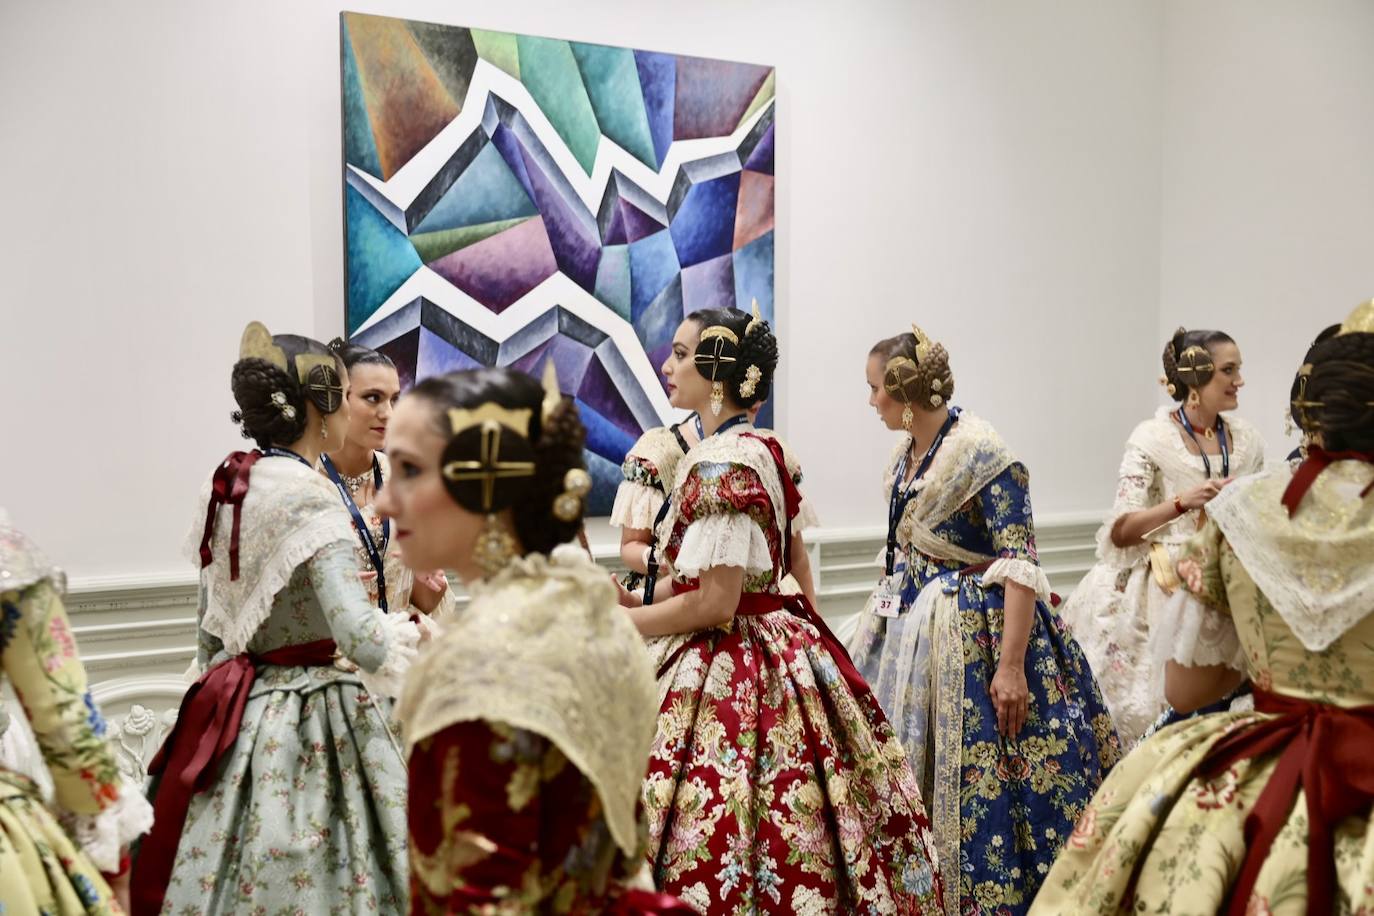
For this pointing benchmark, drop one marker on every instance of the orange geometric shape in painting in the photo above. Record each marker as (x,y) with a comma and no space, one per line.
(406,101)
(754,212)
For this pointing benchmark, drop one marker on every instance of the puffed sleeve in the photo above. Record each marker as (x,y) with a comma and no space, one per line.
(726,511)
(1134,480)
(1007,512)
(39,656)
(1195,627)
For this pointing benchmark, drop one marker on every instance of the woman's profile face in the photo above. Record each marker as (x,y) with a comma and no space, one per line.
(888,408)
(687,388)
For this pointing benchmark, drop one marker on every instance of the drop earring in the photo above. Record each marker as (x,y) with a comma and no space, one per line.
(907,417)
(324,428)
(1193,399)
(717,398)
(494,548)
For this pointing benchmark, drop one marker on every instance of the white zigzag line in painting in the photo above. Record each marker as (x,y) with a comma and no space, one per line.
(487,79)
(558,290)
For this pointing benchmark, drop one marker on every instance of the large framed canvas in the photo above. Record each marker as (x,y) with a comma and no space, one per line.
(510,199)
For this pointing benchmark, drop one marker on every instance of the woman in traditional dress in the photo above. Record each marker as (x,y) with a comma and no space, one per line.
(528,722)
(996,706)
(776,784)
(1264,811)
(358,471)
(281,787)
(42,869)
(1175,463)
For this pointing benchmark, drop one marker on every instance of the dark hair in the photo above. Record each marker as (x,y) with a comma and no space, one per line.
(272,401)
(1340,389)
(1298,391)
(933,375)
(357,355)
(556,443)
(756,348)
(1177,345)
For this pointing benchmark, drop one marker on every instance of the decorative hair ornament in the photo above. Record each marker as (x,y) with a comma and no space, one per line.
(489,445)
(494,548)
(923,343)
(317,373)
(756,321)
(899,373)
(1301,405)
(256,343)
(1195,367)
(279,401)
(1359,321)
(567,506)
(553,395)
(752,376)
(716,354)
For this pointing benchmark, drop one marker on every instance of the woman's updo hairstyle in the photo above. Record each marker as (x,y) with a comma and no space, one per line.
(742,354)
(273,380)
(1297,393)
(357,355)
(1188,362)
(1339,401)
(915,370)
(512,444)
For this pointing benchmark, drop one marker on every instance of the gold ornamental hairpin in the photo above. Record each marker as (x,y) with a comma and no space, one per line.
(516,419)
(923,343)
(756,320)
(1360,321)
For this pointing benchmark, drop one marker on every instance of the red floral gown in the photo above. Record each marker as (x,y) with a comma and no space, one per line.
(776,784)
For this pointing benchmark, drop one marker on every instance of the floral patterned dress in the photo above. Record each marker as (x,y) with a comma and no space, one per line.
(1175,827)
(42,869)
(526,800)
(306,813)
(776,784)
(1114,607)
(1001,807)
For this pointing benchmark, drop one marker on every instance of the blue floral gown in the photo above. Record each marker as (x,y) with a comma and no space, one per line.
(1001,809)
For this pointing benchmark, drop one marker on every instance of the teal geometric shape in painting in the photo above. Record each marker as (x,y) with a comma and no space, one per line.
(486,192)
(612,83)
(549,71)
(613,279)
(380,258)
(360,149)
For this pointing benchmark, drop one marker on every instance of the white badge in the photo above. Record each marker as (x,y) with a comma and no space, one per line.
(887,601)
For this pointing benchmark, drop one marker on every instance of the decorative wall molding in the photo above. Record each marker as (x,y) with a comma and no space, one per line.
(138,638)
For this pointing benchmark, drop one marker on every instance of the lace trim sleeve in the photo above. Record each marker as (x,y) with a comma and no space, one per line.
(636,505)
(1022,572)
(723,540)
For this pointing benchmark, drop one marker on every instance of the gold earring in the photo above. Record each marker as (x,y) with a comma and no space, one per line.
(907,417)
(717,398)
(1193,399)
(494,548)
(324,427)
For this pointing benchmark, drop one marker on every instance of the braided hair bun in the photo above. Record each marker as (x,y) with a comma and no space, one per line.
(271,403)
(749,377)
(930,385)
(1340,392)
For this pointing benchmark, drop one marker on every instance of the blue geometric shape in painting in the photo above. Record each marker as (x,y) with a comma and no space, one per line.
(653,263)
(761,159)
(702,207)
(380,258)
(438,356)
(709,285)
(658,83)
(605,479)
(754,275)
(656,324)
(487,191)
(612,84)
(360,149)
(613,279)
(603,437)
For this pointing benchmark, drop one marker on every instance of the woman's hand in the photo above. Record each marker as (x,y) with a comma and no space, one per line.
(1011,699)
(1202,494)
(119,885)
(626,597)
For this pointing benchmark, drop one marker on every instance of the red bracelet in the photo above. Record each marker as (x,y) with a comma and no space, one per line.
(1178,505)
(125,861)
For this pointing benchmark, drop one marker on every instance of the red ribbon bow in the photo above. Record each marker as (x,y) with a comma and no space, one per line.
(229,485)
(1317,460)
(207,726)
(1324,751)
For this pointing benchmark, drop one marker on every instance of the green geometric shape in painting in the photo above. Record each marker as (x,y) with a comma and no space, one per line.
(613,279)
(498,49)
(549,71)
(432,246)
(612,83)
(359,148)
(764,96)
(486,191)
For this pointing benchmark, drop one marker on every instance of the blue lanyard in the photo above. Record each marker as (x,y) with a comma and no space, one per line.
(275,452)
(900,498)
(1221,437)
(373,554)
(651,565)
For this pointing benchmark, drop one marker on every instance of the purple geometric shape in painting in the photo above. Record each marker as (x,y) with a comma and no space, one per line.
(600,390)
(712,96)
(570,359)
(499,270)
(638,224)
(438,356)
(709,285)
(629,213)
(657,82)
(653,264)
(761,159)
(703,205)
(404,352)
(613,232)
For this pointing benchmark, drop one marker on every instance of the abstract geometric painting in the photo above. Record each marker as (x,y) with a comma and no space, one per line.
(510,200)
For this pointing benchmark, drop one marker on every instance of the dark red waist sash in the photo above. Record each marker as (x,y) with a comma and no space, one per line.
(756,604)
(207,725)
(1323,750)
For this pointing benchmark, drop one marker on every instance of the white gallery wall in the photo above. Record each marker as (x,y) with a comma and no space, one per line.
(1044,186)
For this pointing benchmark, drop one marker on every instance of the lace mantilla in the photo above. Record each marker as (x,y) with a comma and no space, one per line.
(552,627)
(1315,568)
(21,562)
(289,515)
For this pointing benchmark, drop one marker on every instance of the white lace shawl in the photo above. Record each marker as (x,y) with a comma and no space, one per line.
(545,647)
(1316,568)
(1157,466)
(289,515)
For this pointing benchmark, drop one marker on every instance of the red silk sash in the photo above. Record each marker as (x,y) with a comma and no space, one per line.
(206,728)
(1322,750)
